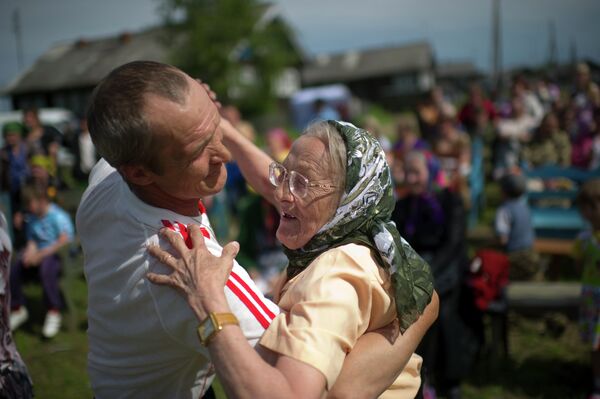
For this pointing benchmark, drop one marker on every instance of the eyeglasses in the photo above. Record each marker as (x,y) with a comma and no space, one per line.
(298,184)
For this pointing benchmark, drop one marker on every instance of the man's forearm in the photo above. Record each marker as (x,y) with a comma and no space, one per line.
(253,162)
(374,364)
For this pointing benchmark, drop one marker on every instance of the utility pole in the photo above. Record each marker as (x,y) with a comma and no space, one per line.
(17,30)
(573,52)
(552,47)
(496,46)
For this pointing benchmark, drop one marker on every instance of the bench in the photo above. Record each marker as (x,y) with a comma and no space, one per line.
(529,297)
(553,211)
(553,246)
(543,295)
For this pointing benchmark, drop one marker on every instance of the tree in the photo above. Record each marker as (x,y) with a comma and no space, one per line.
(232,45)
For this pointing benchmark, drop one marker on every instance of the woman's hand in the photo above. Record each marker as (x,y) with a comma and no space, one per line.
(211,93)
(196,273)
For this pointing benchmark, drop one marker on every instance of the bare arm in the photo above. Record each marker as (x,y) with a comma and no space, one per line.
(374,363)
(241,369)
(245,374)
(38,255)
(253,162)
(62,240)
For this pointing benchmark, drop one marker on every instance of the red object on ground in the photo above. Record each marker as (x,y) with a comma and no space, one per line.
(488,280)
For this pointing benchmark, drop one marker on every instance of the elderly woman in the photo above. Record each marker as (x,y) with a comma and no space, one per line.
(349,273)
(432,219)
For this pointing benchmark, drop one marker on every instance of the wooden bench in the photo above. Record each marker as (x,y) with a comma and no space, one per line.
(553,246)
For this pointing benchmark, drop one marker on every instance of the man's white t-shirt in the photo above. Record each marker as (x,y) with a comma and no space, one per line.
(142,337)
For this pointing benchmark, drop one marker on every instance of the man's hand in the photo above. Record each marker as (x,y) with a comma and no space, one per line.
(375,361)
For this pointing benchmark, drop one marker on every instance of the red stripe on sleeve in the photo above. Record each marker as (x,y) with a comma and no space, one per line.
(253,295)
(259,317)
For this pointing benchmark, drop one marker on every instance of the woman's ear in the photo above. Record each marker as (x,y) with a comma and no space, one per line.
(136,174)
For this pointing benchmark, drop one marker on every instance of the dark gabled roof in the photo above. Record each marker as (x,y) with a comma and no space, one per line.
(462,69)
(85,62)
(369,63)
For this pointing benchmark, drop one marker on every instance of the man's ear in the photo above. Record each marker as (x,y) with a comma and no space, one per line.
(137,175)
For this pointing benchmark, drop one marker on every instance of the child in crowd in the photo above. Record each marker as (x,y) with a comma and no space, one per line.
(587,252)
(48,229)
(514,229)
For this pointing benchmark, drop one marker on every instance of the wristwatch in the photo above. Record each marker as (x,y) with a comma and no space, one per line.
(214,323)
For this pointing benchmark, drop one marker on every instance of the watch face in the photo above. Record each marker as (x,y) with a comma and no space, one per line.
(206,329)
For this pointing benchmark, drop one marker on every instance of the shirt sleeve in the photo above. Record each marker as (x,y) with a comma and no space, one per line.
(253,311)
(502,222)
(329,313)
(174,314)
(64,224)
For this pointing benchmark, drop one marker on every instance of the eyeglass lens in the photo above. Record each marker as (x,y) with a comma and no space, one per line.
(297,183)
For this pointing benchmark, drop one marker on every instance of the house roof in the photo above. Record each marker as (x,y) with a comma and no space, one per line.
(368,63)
(463,69)
(85,62)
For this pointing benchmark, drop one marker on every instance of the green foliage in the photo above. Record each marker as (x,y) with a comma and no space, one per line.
(228,44)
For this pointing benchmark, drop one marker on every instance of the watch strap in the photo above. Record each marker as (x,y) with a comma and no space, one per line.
(216,321)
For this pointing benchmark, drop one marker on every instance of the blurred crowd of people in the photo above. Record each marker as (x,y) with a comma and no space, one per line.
(30,179)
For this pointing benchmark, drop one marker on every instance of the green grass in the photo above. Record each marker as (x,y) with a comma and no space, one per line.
(57,366)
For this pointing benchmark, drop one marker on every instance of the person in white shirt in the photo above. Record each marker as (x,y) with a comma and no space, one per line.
(162,142)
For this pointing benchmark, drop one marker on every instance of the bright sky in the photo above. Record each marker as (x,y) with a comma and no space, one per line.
(457,29)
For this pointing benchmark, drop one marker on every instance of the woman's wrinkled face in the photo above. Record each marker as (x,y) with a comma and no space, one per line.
(301,218)
(416,175)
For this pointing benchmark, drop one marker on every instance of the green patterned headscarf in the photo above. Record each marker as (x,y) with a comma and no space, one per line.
(363,217)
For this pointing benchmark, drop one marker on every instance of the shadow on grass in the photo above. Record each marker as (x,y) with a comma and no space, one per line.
(534,377)
(544,362)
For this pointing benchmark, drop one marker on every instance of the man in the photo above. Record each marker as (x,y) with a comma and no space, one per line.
(161,138)
(40,139)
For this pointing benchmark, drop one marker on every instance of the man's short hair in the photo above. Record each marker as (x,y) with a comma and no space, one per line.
(116,121)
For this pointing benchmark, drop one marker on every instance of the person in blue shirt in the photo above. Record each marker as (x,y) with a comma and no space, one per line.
(48,229)
(514,229)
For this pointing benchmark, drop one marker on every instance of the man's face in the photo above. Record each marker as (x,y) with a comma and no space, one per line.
(192,154)
(30,119)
